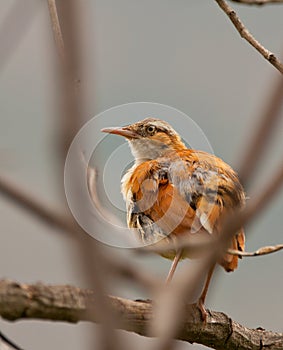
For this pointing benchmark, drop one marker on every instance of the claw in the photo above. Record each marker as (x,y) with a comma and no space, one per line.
(203,311)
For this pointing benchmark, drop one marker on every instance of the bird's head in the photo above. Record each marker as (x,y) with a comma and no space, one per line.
(150,138)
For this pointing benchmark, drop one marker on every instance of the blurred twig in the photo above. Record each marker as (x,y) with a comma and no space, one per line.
(245,34)
(57,29)
(68,73)
(33,205)
(67,29)
(92,188)
(70,114)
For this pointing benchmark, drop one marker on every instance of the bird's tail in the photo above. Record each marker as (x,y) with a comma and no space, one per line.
(230,262)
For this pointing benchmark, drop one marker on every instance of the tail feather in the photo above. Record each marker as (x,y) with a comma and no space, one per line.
(230,262)
(241,241)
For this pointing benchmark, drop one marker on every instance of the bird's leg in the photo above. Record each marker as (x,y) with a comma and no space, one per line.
(200,302)
(174,265)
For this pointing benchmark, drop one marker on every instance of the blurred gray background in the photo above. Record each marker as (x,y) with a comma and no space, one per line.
(185,54)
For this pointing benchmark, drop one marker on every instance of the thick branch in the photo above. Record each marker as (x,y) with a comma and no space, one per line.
(70,304)
(245,34)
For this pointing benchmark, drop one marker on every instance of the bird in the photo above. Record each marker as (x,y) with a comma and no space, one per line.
(172,191)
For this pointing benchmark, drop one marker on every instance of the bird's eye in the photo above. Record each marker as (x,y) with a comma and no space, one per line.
(151,129)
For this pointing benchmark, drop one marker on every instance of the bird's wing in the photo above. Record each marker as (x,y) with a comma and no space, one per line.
(207,183)
(212,188)
(184,194)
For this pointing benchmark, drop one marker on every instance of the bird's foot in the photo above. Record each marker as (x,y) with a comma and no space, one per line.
(203,311)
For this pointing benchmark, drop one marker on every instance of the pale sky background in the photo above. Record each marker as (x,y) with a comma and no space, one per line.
(184,54)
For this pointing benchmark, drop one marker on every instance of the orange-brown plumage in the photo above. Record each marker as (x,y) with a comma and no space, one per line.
(172,191)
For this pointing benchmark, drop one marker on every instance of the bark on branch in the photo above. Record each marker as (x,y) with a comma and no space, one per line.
(245,34)
(71,304)
(258,2)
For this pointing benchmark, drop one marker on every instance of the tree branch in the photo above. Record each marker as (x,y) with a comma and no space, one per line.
(258,2)
(9,343)
(245,34)
(261,251)
(71,304)
(56,28)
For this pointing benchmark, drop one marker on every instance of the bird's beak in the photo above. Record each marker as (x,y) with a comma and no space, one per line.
(124,131)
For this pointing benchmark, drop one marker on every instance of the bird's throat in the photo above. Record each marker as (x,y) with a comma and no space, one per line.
(144,149)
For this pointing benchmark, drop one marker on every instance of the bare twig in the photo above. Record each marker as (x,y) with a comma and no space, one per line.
(71,115)
(92,188)
(57,29)
(261,251)
(69,104)
(201,246)
(8,342)
(258,2)
(245,34)
(67,303)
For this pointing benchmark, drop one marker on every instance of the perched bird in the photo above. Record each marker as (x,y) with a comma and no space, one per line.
(172,191)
